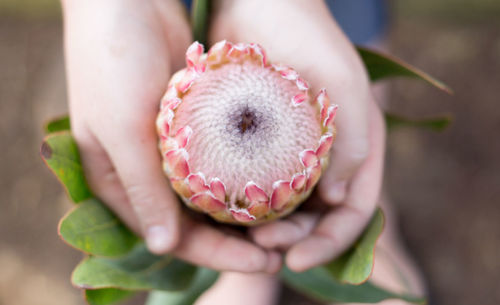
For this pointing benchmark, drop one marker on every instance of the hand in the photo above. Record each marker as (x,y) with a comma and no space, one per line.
(120,55)
(302,34)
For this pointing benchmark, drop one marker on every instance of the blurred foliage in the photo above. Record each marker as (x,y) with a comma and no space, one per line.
(30,8)
(459,10)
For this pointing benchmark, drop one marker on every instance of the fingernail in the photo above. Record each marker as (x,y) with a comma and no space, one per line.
(158,239)
(336,192)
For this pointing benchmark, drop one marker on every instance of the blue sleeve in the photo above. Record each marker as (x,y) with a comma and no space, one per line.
(364,21)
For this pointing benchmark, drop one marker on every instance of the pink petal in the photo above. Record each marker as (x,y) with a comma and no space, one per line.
(166,129)
(182,136)
(330,115)
(324,101)
(313,175)
(302,84)
(208,203)
(200,67)
(257,51)
(298,181)
(187,80)
(308,158)
(176,77)
(165,122)
(299,99)
(172,103)
(289,74)
(177,163)
(255,193)
(259,208)
(242,215)
(281,194)
(218,189)
(167,144)
(279,67)
(170,94)
(193,54)
(197,183)
(181,187)
(218,51)
(325,142)
(238,50)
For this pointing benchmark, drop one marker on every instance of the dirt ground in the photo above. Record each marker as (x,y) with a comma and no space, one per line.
(446,186)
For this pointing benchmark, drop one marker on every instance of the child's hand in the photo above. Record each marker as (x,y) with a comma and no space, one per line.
(120,55)
(305,36)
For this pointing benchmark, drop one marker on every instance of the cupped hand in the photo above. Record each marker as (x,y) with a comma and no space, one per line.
(119,57)
(303,35)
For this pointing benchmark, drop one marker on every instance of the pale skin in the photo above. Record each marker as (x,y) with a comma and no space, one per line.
(120,55)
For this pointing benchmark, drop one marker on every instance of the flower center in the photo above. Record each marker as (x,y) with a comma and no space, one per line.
(248,121)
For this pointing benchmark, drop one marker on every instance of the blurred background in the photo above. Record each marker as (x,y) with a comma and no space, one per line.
(446,186)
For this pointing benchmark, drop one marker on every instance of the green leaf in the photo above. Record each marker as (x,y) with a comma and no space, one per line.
(381,66)
(107,296)
(436,123)
(317,283)
(60,153)
(204,279)
(356,264)
(200,12)
(93,228)
(139,270)
(57,124)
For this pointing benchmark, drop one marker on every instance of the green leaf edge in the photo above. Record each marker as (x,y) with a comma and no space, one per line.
(88,287)
(200,12)
(60,123)
(285,272)
(406,70)
(341,267)
(90,297)
(436,123)
(71,211)
(46,149)
(138,284)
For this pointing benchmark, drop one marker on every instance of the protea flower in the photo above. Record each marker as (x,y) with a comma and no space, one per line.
(242,139)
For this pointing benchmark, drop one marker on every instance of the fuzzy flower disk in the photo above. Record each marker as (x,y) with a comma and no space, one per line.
(242,139)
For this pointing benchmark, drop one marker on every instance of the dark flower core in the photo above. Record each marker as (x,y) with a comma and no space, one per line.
(248,121)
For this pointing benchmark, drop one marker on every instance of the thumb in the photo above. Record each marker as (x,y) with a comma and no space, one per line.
(346,158)
(351,147)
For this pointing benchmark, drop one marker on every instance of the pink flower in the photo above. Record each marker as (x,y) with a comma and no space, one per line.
(241,138)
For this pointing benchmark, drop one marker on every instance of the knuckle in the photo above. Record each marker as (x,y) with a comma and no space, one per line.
(140,197)
(358,151)
(254,262)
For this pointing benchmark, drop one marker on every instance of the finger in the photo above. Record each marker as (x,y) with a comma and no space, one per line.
(135,156)
(340,228)
(208,247)
(335,232)
(284,233)
(178,31)
(102,177)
